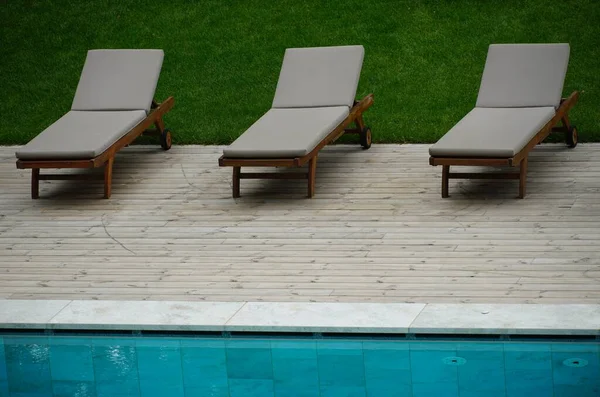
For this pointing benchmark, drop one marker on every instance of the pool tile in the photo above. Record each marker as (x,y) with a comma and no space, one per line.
(73,389)
(71,359)
(159,367)
(3,375)
(286,390)
(247,343)
(209,391)
(528,369)
(209,343)
(295,368)
(528,382)
(295,347)
(387,345)
(28,365)
(483,361)
(387,369)
(251,388)
(576,390)
(149,343)
(160,389)
(118,388)
(527,356)
(589,347)
(564,385)
(382,361)
(115,367)
(302,351)
(345,367)
(427,366)
(25,340)
(204,367)
(433,345)
(435,389)
(104,342)
(530,392)
(343,391)
(341,346)
(248,359)
(341,364)
(475,392)
(581,381)
(389,390)
(481,346)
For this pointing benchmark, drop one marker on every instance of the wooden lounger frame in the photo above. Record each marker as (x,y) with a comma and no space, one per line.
(107,158)
(355,116)
(520,159)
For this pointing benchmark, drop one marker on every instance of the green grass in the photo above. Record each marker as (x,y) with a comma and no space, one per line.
(423,59)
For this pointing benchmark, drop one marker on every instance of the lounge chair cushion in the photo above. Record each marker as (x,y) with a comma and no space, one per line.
(320,76)
(492,132)
(287,133)
(118,80)
(80,135)
(523,75)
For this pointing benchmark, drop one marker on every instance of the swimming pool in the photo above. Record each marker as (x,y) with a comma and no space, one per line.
(216,366)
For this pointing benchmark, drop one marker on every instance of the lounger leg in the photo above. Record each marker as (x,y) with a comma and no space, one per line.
(236,182)
(35,183)
(164,134)
(565,122)
(108,177)
(160,125)
(522,177)
(360,123)
(570,130)
(445,179)
(312,175)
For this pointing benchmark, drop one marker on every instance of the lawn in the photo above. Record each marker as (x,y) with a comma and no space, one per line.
(423,59)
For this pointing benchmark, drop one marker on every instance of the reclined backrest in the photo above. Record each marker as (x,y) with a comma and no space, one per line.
(523,75)
(118,80)
(319,77)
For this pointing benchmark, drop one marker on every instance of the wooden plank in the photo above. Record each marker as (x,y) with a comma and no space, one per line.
(376,232)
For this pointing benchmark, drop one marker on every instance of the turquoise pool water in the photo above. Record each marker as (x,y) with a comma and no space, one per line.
(36,366)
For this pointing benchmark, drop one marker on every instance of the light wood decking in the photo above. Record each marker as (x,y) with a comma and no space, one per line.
(377,230)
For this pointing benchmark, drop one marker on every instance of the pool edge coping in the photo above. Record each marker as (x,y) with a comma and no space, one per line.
(303,317)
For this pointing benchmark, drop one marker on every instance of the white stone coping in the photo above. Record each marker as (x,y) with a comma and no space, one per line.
(375,318)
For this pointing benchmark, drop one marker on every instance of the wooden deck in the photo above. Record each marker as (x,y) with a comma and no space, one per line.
(377,230)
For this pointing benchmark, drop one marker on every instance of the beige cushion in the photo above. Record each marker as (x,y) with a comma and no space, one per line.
(492,132)
(80,135)
(321,76)
(523,75)
(287,133)
(118,80)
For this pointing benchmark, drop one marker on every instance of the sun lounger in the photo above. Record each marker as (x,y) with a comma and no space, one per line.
(313,106)
(113,105)
(518,106)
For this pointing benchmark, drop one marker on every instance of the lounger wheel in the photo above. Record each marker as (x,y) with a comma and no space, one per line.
(572,137)
(365,138)
(165,139)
